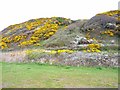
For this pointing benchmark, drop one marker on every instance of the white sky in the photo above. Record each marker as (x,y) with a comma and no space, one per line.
(17,11)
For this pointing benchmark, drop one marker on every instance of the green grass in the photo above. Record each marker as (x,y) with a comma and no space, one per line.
(33,75)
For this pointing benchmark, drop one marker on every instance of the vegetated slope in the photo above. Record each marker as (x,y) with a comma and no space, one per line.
(66,37)
(103,28)
(59,32)
(31,32)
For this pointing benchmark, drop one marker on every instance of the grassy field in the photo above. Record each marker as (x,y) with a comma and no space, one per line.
(31,75)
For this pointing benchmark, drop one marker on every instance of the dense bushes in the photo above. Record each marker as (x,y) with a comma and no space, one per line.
(39,29)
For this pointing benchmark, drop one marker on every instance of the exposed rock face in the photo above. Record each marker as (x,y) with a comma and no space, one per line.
(100,20)
(85,41)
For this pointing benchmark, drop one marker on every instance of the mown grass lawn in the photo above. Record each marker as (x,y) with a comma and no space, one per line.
(33,75)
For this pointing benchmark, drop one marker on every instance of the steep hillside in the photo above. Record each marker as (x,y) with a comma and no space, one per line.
(67,37)
(62,32)
(103,28)
(31,32)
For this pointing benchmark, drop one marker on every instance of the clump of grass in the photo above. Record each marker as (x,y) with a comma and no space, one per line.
(33,55)
(38,53)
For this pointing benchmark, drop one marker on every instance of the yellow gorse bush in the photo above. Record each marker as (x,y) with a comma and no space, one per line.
(66,51)
(37,44)
(3,45)
(46,31)
(110,13)
(108,32)
(40,29)
(49,51)
(93,48)
(28,42)
(17,38)
(6,40)
(61,51)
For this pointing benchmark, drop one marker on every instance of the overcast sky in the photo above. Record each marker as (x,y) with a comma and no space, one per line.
(17,11)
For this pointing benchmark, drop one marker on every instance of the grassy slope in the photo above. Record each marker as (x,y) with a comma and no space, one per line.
(45,76)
